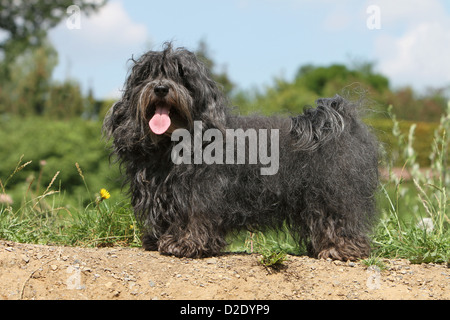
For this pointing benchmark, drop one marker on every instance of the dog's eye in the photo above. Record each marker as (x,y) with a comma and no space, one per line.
(180,71)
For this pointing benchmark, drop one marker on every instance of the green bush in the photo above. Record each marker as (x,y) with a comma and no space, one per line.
(45,218)
(423,139)
(55,146)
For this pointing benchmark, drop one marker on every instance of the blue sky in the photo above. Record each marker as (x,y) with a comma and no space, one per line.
(257,40)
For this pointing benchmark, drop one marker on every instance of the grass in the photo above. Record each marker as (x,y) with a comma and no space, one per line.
(272,245)
(42,217)
(425,200)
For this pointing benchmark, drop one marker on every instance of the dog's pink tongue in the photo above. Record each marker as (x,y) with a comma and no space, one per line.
(160,121)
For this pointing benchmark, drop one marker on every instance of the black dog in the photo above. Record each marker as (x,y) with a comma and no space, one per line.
(196,172)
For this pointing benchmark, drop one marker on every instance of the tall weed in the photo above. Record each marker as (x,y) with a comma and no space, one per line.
(425,236)
(42,218)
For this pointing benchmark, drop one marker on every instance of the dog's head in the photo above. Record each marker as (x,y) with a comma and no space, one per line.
(167,90)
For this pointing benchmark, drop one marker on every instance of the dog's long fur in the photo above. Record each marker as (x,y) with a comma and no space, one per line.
(324,188)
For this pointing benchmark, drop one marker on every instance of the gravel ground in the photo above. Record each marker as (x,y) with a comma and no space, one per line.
(51,272)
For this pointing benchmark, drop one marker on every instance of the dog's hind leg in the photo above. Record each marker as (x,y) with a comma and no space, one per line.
(330,238)
(345,249)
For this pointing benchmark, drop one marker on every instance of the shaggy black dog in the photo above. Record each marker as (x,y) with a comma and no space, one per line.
(196,172)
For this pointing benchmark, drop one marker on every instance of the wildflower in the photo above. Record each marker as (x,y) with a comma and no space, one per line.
(6,199)
(426,224)
(104,194)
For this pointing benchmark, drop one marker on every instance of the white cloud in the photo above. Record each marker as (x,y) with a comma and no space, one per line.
(105,32)
(98,52)
(112,26)
(419,55)
(409,11)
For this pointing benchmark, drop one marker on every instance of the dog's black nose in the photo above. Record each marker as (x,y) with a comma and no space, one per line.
(161,90)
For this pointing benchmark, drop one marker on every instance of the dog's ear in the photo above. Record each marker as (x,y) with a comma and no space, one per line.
(112,120)
(108,124)
(210,103)
(214,109)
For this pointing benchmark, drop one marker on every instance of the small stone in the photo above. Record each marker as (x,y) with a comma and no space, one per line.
(54,267)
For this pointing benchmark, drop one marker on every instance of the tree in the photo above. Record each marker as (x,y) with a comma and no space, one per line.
(27,59)
(26,91)
(26,23)
(65,101)
(221,77)
(318,79)
(311,83)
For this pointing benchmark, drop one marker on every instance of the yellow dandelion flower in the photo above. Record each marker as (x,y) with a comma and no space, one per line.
(104,194)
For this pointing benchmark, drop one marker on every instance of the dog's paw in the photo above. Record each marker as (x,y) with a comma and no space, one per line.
(180,248)
(340,254)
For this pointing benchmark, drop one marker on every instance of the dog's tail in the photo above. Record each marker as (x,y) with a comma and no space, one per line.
(328,120)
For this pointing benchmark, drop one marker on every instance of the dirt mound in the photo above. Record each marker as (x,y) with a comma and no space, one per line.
(51,272)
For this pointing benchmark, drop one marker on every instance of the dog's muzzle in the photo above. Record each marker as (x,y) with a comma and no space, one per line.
(160,122)
(161,91)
